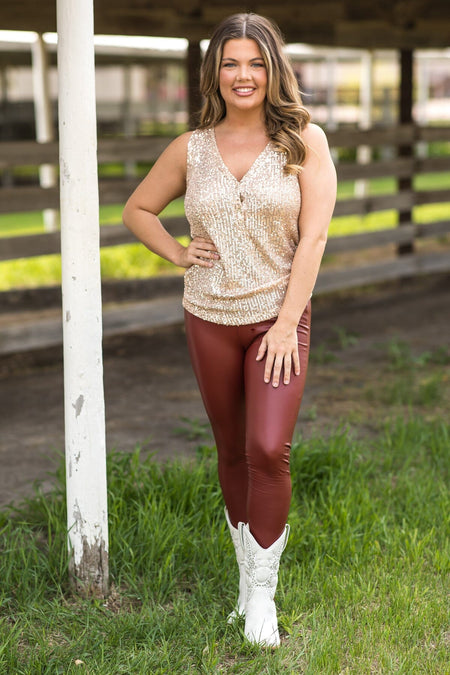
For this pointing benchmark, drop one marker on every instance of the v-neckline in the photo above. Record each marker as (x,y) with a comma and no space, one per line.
(255,161)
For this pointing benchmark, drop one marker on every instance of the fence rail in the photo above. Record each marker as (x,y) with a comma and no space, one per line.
(116,190)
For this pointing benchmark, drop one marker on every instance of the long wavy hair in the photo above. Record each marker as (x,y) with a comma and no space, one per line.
(285,115)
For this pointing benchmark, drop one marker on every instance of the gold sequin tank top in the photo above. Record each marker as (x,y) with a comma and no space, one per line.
(253,223)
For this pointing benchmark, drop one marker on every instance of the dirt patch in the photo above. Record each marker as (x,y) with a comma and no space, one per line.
(152,399)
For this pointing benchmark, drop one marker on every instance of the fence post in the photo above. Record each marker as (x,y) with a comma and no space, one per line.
(82,316)
(193,64)
(406,117)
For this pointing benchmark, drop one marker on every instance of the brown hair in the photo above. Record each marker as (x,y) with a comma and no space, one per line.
(286,117)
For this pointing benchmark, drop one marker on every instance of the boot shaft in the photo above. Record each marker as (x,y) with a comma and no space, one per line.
(262,564)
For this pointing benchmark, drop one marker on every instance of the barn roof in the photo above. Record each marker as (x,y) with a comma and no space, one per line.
(405,24)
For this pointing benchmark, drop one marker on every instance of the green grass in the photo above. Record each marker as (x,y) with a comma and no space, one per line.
(398,381)
(412,380)
(363,582)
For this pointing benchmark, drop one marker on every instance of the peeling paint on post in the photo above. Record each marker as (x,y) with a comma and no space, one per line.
(87,515)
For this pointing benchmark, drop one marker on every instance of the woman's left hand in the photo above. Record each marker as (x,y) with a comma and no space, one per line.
(280,345)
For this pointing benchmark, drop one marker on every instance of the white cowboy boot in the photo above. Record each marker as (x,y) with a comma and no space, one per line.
(239,609)
(261,567)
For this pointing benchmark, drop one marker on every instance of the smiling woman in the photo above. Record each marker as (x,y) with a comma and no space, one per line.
(251,267)
(256,40)
(242,74)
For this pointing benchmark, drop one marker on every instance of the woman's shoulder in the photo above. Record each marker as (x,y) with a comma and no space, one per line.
(181,143)
(176,151)
(318,155)
(315,140)
(312,133)
(183,151)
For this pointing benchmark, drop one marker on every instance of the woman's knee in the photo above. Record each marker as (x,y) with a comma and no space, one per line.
(269,456)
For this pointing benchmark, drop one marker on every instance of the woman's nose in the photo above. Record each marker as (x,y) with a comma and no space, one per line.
(244,73)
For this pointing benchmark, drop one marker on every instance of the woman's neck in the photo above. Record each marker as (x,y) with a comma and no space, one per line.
(237,120)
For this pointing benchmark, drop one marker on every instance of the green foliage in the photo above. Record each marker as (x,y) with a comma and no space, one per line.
(362,581)
(193,429)
(344,338)
(439,149)
(132,261)
(412,379)
(321,355)
(43,270)
(326,351)
(401,357)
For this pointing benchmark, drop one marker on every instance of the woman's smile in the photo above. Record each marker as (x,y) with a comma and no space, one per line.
(242,74)
(244,91)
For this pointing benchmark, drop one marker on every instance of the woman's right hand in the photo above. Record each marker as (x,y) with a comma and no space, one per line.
(200,251)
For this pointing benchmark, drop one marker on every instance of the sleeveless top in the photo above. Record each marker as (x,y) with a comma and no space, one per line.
(253,223)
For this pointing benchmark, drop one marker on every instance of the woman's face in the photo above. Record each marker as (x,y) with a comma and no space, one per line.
(242,75)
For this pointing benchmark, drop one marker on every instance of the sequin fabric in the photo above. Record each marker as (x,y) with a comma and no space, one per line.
(254,224)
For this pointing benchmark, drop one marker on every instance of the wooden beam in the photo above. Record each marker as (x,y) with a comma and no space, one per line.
(32,245)
(398,201)
(22,334)
(381,34)
(407,265)
(405,116)
(193,64)
(397,24)
(358,242)
(27,153)
(49,243)
(117,191)
(148,148)
(392,135)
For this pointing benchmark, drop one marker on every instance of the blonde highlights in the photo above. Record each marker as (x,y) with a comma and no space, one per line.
(285,114)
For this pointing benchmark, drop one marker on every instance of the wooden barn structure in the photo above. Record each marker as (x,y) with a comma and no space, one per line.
(404,25)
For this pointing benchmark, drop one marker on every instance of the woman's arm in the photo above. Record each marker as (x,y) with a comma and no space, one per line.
(318,190)
(166,181)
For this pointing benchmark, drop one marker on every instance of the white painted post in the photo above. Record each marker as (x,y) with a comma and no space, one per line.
(128,121)
(44,122)
(82,318)
(332,74)
(364,152)
(423,86)
(7,176)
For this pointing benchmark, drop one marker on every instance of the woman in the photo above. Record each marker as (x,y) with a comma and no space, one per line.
(251,267)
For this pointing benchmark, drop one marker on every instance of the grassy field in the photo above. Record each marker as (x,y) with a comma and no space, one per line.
(133,261)
(363,583)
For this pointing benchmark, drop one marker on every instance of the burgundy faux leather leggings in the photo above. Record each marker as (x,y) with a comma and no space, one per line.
(253,422)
